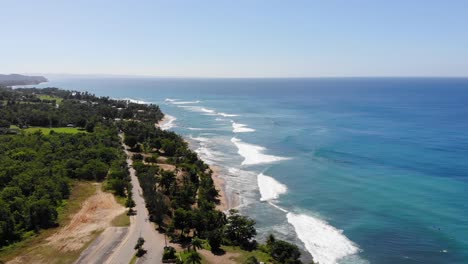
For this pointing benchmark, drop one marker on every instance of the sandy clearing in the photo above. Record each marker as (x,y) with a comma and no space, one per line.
(96,214)
(167,167)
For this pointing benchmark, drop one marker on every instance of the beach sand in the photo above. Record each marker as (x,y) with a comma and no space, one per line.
(161,122)
(220,185)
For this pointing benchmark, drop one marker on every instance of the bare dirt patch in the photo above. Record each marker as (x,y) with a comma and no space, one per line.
(167,167)
(65,244)
(96,214)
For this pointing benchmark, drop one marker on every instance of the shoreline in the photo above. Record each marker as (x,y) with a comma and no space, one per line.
(225,203)
(162,122)
(219,182)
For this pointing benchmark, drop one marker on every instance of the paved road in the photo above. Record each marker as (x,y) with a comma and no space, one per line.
(116,245)
(103,246)
(140,226)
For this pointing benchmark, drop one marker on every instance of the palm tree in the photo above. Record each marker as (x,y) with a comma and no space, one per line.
(166,180)
(197,243)
(193,258)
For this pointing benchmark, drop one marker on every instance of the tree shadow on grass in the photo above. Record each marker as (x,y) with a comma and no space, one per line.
(218,252)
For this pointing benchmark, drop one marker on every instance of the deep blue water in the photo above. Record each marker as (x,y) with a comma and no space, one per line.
(383,160)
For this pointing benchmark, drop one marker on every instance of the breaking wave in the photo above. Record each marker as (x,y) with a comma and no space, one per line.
(326,243)
(168,122)
(135,101)
(227,115)
(270,189)
(253,154)
(241,128)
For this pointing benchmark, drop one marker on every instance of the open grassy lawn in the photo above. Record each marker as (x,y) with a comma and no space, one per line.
(46,130)
(35,246)
(244,255)
(49,97)
(121,220)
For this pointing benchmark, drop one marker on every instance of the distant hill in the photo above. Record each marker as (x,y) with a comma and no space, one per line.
(18,79)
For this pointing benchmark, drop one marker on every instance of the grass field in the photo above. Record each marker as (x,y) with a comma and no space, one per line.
(244,255)
(121,220)
(35,246)
(46,130)
(49,97)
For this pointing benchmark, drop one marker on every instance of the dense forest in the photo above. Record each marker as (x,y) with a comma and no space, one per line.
(49,137)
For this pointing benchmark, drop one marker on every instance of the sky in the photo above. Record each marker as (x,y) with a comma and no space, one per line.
(250,38)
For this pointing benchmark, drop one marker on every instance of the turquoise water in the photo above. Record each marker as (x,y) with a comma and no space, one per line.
(352,170)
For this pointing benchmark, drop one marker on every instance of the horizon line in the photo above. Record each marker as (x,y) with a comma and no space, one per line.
(107,75)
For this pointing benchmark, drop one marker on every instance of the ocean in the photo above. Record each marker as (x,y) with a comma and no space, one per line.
(353,170)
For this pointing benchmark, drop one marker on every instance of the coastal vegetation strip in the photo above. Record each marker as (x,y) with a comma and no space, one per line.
(178,187)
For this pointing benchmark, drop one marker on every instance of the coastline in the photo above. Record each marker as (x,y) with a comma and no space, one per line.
(219,183)
(162,122)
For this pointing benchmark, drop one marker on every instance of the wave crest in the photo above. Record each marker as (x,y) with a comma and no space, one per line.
(167,122)
(241,128)
(253,154)
(270,189)
(326,244)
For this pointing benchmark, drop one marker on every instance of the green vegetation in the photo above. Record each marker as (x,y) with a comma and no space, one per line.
(77,140)
(36,244)
(133,260)
(46,131)
(44,148)
(182,202)
(121,220)
(139,247)
(50,98)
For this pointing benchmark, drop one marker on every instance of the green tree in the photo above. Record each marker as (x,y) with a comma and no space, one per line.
(239,229)
(215,238)
(193,258)
(282,251)
(130,141)
(197,243)
(42,214)
(251,260)
(139,247)
(167,179)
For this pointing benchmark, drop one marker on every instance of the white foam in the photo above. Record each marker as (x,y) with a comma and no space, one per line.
(253,154)
(206,110)
(168,122)
(326,244)
(185,102)
(270,189)
(170,100)
(241,128)
(227,115)
(135,101)
(199,139)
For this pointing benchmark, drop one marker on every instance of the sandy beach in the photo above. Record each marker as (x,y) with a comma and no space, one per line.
(220,185)
(166,122)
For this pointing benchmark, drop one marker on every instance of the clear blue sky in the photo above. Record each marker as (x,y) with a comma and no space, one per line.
(235,38)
